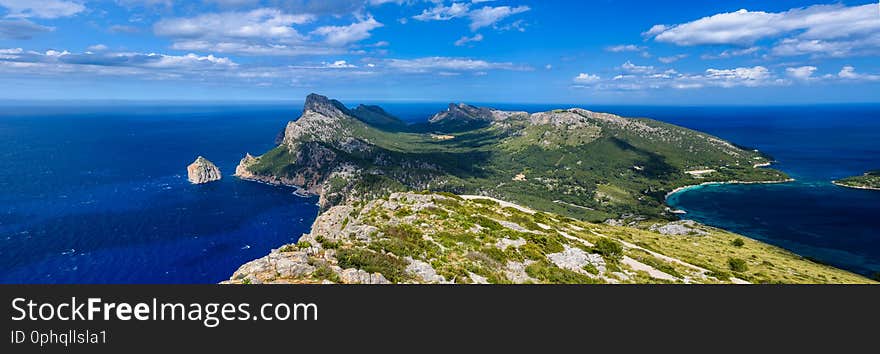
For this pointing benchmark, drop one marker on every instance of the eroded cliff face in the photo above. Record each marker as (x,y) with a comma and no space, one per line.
(203,171)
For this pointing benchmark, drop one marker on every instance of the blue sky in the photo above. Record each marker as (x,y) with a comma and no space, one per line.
(517,51)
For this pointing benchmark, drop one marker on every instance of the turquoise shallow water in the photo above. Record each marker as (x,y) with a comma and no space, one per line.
(812,217)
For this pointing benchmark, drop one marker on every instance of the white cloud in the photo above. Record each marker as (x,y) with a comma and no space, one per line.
(443,13)
(261,31)
(849,73)
(839,29)
(584,78)
(822,48)
(338,64)
(801,72)
(730,53)
(488,16)
(751,77)
(97,48)
(465,40)
(344,35)
(155,66)
(259,23)
(483,17)
(672,58)
(422,65)
(42,8)
(625,48)
(637,69)
(634,77)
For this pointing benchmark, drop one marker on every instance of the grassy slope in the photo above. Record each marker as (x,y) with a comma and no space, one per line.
(559,165)
(458,238)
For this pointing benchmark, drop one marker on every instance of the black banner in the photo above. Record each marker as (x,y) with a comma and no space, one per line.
(130,317)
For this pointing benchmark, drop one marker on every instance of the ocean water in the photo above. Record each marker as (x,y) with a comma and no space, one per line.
(98,193)
(94,194)
(815,145)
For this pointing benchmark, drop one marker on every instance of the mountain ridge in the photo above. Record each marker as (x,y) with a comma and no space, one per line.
(601,161)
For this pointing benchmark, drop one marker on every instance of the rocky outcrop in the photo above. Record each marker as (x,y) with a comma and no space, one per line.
(202,171)
(679,228)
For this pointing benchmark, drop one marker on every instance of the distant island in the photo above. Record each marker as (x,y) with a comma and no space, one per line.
(478,195)
(869,180)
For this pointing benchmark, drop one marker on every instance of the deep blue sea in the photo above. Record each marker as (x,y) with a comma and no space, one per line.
(97,193)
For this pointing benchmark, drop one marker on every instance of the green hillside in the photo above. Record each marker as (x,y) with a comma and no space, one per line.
(574,162)
(869,180)
(434,238)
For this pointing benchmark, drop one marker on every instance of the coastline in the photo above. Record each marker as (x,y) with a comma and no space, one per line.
(693,186)
(298,191)
(836,183)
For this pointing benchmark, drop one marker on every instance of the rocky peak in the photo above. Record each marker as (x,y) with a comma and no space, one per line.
(325,106)
(462,112)
(202,171)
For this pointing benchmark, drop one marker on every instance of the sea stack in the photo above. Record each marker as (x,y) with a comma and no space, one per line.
(203,171)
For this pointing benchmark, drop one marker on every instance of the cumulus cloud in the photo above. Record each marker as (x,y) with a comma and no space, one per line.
(444,13)
(343,35)
(849,73)
(585,78)
(838,29)
(259,23)
(263,31)
(801,72)
(636,77)
(637,69)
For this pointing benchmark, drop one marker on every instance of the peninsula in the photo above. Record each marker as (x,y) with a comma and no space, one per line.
(870,180)
(478,195)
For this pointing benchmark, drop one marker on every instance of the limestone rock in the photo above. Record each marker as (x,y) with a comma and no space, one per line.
(203,171)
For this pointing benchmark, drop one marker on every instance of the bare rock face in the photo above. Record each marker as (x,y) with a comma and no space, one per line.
(203,171)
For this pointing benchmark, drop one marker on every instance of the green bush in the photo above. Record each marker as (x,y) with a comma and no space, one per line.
(391,267)
(609,248)
(738,242)
(737,265)
(590,268)
(546,243)
(323,271)
(554,275)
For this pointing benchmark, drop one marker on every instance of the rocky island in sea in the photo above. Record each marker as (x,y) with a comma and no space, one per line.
(563,196)
(870,180)
(202,171)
